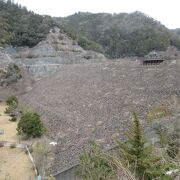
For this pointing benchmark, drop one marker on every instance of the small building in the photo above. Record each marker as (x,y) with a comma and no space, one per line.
(153,58)
(152,61)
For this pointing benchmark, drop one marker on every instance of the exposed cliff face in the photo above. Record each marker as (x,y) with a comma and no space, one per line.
(48,56)
(5,59)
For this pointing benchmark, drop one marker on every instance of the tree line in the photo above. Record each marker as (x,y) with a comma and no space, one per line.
(20,27)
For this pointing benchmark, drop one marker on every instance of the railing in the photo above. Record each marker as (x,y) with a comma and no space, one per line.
(21,146)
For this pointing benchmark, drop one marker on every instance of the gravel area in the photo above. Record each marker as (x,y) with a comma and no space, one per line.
(85,102)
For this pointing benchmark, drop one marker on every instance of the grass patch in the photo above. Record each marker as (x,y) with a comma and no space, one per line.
(158,112)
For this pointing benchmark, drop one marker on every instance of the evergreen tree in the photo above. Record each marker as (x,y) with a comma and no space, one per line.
(138,156)
(94,165)
(20,27)
(30,125)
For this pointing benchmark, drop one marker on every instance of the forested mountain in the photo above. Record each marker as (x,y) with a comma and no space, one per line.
(20,27)
(177,31)
(120,34)
(116,35)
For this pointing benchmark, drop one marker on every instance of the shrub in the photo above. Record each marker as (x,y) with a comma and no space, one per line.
(158,112)
(7,110)
(12,145)
(11,75)
(161,131)
(30,125)
(13,119)
(95,165)
(1,144)
(41,152)
(173,147)
(12,101)
(89,45)
(51,178)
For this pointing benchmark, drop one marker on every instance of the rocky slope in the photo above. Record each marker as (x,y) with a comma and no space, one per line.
(48,56)
(44,59)
(94,102)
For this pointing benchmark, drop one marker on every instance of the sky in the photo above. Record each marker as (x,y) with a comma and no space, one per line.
(165,11)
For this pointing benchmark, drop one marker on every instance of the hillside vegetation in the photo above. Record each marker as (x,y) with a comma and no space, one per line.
(177,31)
(120,34)
(20,27)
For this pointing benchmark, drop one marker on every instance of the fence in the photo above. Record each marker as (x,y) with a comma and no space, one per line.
(21,146)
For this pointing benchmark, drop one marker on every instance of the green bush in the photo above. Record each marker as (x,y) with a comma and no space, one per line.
(10,75)
(89,45)
(162,132)
(30,125)
(20,27)
(158,112)
(12,145)
(12,100)
(12,103)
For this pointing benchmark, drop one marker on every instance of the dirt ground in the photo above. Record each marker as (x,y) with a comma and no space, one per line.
(14,163)
(8,126)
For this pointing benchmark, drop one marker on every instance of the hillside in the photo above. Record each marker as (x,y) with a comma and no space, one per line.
(117,35)
(20,27)
(94,101)
(86,73)
(40,61)
(123,34)
(177,31)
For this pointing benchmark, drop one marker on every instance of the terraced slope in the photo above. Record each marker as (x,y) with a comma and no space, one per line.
(95,101)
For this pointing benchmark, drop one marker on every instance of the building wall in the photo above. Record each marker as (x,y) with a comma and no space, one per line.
(67,175)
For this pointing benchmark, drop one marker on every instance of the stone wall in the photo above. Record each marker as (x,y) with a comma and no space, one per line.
(48,56)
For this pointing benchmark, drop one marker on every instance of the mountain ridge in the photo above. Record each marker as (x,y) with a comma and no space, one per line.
(115,35)
(123,34)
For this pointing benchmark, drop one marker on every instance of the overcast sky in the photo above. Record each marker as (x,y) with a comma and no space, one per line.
(166,11)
